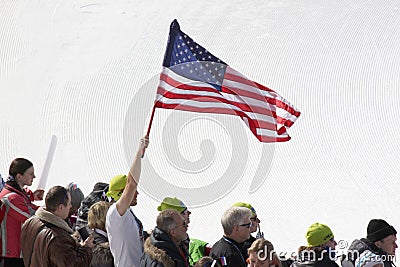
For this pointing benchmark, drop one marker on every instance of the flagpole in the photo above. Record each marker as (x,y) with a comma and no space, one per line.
(149,127)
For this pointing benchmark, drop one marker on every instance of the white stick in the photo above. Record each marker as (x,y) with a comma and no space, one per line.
(47,164)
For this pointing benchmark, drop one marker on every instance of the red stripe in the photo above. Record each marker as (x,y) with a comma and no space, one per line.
(243,106)
(212,99)
(171,81)
(271,103)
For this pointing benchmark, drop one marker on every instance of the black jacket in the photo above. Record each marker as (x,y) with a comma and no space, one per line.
(229,249)
(160,251)
(358,246)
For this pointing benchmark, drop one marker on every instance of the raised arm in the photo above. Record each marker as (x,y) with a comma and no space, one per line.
(133,179)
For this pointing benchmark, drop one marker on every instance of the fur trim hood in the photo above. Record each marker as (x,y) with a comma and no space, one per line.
(157,254)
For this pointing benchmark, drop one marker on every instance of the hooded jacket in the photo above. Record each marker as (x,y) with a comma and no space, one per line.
(47,242)
(161,251)
(358,246)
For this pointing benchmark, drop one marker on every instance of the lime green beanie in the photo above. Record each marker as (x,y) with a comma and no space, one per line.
(117,186)
(317,234)
(246,205)
(172,203)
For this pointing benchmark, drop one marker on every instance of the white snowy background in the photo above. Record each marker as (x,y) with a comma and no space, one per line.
(86,72)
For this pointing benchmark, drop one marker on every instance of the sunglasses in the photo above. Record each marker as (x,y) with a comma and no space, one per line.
(247,225)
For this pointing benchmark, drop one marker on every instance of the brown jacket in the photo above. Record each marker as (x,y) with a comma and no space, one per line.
(46,242)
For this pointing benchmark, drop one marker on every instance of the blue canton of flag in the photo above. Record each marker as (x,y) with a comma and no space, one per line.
(189,59)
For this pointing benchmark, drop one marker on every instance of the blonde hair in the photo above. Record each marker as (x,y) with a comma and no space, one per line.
(264,248)
(97,215)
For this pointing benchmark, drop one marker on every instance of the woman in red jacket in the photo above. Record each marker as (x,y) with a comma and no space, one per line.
(16,207)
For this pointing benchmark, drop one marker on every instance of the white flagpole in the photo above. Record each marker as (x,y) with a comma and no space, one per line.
(47,164)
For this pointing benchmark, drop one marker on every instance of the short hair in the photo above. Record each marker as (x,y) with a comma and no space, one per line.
(102,256)
(97,215)
(234,216)
(55,196)
(264,249)
(165,220)
(206,261)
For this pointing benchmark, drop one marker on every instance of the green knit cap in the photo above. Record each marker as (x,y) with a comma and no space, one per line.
(317,234)
(246,205)
(172,203)
(117,186)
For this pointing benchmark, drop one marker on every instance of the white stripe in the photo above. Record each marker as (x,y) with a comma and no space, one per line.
(198,104)
(229,97)
(175,90)
(260,103)
(253,89)
(270,133)
(184,80)
(193,103)
(247,100)
(6,201)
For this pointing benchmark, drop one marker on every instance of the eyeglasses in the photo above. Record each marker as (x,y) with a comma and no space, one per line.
(254,218)
(247,225)
(184,223)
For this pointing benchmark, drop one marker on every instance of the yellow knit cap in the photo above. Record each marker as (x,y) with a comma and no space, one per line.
(117,186)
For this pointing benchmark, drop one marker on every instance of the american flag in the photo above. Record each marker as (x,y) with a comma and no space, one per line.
(195,80)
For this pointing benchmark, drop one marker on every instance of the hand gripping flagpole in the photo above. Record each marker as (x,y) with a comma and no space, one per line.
(149,127)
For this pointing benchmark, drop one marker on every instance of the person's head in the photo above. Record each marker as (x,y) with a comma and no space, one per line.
(76,197)
(21,173)
(236,223)
(102,256)
(97,215)
(117,186)
(58,201)
(172,222)
(382,235)
(262,254)
(320,235)
(254,219)
(176,204)
(207,261)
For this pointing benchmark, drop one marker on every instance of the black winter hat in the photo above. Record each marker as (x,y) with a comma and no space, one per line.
(379,229)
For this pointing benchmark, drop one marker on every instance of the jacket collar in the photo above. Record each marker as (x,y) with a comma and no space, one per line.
(49,217)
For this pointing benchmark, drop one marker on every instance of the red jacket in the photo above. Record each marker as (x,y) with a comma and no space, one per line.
(16,208)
